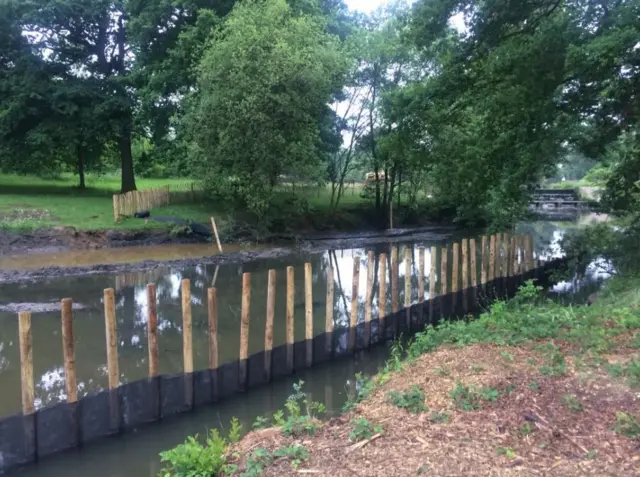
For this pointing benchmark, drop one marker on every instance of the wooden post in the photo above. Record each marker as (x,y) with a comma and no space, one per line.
(290,317)
(499,271)
(68,351)
(443,271)
(371,258)
(530,258)
(474,268)
(116,215)
(355,289)
(215,233)
(394,280)
(382,295)
(421,275)
(514,256)
(432,273)
(152,329)
(328,325)
(268,327)
(465,264)
(308,315)
(455,267)
(26,363)
(505,255)
(407,277)
(187,327)
(112,338)
(483,261)
(492,259)
(212,303)
(244,328)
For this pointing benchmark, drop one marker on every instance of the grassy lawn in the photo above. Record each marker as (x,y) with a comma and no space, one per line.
(28,203)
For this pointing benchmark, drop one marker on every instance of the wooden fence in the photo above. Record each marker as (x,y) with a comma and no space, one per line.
(127,205)
(479,267)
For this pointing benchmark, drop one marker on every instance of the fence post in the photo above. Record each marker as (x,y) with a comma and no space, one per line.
(115,208)
(212,302)
(26,363)
(329,311)
(371,258)
(443,270)
(215,233)
(382,294)
(355,288)
(455,267)
(112,338)
(421,270)
(407,277)
(68,351)
(474,267)
(187,327)
(152,330)
(394,280)
(492,258)
(483,261)
(244,328)
(308,315)
(268,327)
(505,255)
(465,264)
(514,256)
(290,317)
(499,271)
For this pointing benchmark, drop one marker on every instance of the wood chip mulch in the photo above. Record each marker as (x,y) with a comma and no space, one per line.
(529,431)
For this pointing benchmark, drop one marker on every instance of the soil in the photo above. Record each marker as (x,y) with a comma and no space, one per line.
(66,239)
(537,426)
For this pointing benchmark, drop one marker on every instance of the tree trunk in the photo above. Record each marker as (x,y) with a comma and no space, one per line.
(126,162)
(82,184)
(399,186)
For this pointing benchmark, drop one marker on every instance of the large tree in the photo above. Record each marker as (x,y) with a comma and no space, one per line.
(264,85)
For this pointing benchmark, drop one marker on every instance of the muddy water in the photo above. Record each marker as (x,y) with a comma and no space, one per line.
(137,453)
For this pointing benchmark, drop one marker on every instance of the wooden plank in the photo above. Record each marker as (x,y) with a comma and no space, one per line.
(328,321)
(371,258)
(505,254)
(444,271)
(421,269)
(245,313)
(115,208)
(68,351)
(308,315)
(465,264)
(484,263)
(382,286)
(26,362)
(407,277)
(112,338)
(455,267)
(212,306)
(290,337)
(152,329)
(530,257)
(187,327)
(474,267)
(394,280)
(499,271)
(514,256)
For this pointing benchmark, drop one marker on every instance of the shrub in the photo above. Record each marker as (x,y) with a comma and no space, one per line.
(411,400)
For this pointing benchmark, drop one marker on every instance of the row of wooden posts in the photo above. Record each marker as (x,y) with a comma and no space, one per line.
(502,256)
(127,205)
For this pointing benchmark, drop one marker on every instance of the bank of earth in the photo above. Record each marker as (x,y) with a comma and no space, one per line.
(531,388)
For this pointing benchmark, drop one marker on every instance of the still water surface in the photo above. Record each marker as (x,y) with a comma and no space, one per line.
(136,454)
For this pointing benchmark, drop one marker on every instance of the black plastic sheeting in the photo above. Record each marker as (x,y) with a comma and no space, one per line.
(26,438)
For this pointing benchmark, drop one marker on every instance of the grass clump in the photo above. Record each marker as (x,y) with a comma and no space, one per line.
(411,400)
(363,429)
(261,458)
(438,417)
(627,425)
(470,398)
(572,403)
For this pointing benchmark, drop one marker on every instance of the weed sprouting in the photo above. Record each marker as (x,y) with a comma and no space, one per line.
(363,429)
(627,425)
(469,398)
(440,417)
(411,400)
(572,403)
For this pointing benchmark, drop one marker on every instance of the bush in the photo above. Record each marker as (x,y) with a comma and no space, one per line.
(411,400)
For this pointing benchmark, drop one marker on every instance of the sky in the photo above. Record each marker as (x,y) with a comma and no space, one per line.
(364,5)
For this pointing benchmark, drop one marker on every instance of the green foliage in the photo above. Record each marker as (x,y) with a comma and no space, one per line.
(265,78)
(470,398)
(627,425)
(364,386)
(301,414)
(412,400)
(193,459)
(508,452)
(572,403)
(363,429)
(629,370)
(261,422)
(525,429)
(438,417)
(261,458)
(556,365)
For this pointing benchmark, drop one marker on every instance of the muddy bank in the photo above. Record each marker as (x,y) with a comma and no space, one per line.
(277,247)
